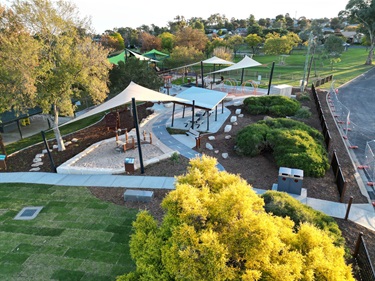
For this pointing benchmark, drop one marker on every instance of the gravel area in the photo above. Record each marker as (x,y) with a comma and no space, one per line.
(107,155)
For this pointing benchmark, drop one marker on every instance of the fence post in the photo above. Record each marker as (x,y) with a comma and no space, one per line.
(357,244)
(348,209)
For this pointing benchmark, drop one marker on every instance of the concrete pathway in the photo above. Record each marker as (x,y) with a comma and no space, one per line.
(362,214)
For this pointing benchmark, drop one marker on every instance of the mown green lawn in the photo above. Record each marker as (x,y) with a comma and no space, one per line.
(291,69)
(75,237)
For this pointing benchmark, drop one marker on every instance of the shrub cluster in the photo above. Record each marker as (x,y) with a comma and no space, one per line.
(294,144)
(276,106)
(283,205)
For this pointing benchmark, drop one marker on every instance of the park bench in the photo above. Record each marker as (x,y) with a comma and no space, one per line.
(138,195)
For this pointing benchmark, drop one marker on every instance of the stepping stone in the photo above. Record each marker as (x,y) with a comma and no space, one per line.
(233,119)
(211,138)
(55,146)
(209,146)
(37,164)
(35,160)
(40,155)
(225,155)
(68,143)
(238,111)
(228,137)
(74,140)
(36,169)
(240,115)
(44,151)
(227,128)
(237,103)
(216,151)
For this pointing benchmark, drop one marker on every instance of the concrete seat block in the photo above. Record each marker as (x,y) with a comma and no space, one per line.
(138,195)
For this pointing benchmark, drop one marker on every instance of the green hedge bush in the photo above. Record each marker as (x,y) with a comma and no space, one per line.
(294,144)
(276,106)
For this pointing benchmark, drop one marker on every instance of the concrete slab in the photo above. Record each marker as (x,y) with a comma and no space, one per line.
(152,182)
(73,180)
(169,183)
(100,180)
(333,209)
(362,216)
(186,140)
(127,181)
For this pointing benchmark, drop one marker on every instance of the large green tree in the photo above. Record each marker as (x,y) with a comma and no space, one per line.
(216,228)
(191,38)
(71,64)
(18,66)
(138,71)
(235,42)
(363,12)
(19,62)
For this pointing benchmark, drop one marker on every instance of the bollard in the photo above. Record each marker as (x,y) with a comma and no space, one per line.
(348,209)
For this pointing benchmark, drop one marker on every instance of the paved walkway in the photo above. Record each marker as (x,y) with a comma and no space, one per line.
(362,214)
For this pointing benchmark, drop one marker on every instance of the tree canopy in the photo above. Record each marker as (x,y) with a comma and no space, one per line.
(69,63)
(216,228)
(363,12)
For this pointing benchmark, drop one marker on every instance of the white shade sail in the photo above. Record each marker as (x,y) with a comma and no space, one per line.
(216,60)
(132,91)
(244,63)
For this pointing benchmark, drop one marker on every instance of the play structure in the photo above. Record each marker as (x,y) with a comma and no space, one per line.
(129,141)
(249,87)
(112,121)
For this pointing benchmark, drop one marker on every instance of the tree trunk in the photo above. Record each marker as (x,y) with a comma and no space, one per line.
(56,130)
(371,52)
(370,55)
(2,146)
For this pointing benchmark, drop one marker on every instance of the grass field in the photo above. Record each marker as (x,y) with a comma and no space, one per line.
(75,236)
(291,69)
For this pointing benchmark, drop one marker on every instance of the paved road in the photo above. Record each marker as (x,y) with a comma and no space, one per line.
(358,98)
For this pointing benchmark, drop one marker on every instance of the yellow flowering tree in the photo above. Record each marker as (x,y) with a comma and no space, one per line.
(216,228)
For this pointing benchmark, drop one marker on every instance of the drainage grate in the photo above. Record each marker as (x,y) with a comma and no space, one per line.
(28,213)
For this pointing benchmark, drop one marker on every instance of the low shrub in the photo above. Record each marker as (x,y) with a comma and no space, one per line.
(283,205)
(277,106)
(294,144)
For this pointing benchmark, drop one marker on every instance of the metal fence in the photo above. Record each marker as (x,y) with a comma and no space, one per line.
(362,258)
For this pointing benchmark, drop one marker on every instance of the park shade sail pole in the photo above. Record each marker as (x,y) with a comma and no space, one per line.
(136,125)
(270,81)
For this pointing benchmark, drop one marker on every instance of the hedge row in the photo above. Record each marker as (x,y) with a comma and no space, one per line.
(276,106)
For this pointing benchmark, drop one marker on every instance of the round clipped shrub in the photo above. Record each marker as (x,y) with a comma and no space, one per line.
(294,144)
(252,140)
(278,106)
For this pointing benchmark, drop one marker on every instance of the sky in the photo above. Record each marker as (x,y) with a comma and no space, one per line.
(110,14)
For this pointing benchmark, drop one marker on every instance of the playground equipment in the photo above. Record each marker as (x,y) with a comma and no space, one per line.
(249,91)
(129,142)
(228,85)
